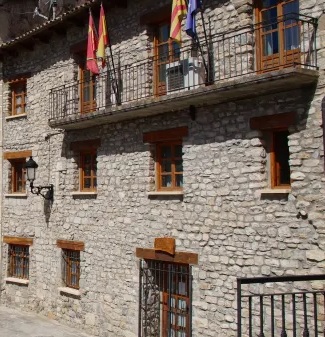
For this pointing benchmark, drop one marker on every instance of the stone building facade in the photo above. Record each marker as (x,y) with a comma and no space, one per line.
(227,201)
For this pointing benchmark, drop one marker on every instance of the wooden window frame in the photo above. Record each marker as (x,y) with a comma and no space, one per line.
(14,85)
(270,125)
(83,148)
(275,168)
(18,250)
(285,58)
(170,137)
(159,164)
(70,255)
(18,173)
(93,170)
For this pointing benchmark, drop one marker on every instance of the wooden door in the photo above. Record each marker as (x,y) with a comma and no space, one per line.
(87,91)
(278,34)
(167,51)
(175,318)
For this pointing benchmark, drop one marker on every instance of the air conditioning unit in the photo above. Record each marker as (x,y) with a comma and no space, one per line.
(184,74)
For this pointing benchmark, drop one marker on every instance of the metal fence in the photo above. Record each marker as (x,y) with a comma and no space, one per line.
(281,306)
(289,41)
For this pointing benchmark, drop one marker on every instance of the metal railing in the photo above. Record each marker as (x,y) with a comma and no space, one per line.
(288,42)
(281,306)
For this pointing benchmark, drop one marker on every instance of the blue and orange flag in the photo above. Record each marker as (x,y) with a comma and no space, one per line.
(103,37)
(92,47)
(179,11)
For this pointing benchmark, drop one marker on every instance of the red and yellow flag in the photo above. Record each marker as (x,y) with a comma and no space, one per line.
(92,47)
(103,37)
(179,11)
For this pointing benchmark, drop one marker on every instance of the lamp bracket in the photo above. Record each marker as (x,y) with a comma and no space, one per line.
(48,195)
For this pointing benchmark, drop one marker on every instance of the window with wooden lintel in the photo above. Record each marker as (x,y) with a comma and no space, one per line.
(278,34)
(275,137)
(168,156)
(18,96)
(18,256)
(17,174)
(87,151)
(70,262)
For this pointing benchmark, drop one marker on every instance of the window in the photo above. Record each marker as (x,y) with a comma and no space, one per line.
(278,38)
(70,262)
(17,173)
(275,137)
(18,256)
(87,161)
(87,90)
(71,268)
(18,97)
(165,306)
(169,166)
(168,156)
(88,170)
(280,169)
(167,51)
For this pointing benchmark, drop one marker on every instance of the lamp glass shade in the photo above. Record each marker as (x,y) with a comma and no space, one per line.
(31,167)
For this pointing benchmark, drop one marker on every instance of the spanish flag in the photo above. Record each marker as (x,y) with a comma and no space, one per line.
(103,37)
(179,11)
(91,47)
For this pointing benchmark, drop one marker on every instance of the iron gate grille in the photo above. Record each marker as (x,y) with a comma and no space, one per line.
(165,305)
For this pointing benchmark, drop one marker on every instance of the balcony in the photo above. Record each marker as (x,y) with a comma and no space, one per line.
(253,61)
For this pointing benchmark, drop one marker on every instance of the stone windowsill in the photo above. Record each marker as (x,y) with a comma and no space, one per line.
(16,280)
(275,191)
(16,116)
(69,291)
(165,193)
(81,193)
(15,195)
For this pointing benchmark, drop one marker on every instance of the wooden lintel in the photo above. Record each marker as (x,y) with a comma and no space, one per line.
(165,135)
(18,240)
(179,257)
(17,155)
(73,245)
(155,16)
(283,120)
(84,145)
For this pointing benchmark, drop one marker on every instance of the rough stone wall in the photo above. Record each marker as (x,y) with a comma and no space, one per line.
(222,216)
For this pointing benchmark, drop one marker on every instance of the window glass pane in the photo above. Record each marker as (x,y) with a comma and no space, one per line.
(95,182)
(87,183)
(166,181)
(163,53)
(166,166)
(162,73)
(291,8)
(268,3)
(164,33)
(179,165)
(179,180)
(178,151)
(291,38)
(270,44)
(270,18)
(176,50)
(166,151)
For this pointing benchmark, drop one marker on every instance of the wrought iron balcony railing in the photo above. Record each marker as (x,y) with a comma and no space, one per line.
(281,306)
(289,41)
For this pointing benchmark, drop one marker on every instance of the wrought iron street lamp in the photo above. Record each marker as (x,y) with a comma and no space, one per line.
(31,167)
